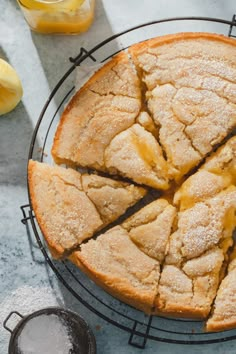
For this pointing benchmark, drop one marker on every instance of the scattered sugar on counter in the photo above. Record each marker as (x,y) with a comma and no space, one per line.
(26,300)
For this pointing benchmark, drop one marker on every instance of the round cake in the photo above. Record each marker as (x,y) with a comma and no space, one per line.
(159,116)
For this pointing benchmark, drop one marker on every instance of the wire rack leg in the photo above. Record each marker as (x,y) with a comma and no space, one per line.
(79,56)
(25,217)
(137,342)
(231,27)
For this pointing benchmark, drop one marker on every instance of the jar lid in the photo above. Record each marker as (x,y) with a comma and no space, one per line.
(52,331)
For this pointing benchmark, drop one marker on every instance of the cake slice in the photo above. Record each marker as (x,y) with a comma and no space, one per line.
(197,251)
(70,207)
(136,154)
(105,106)
(190,83)
(215,175)
(115,263)
(151,227)
(123,267)
(223,316)
(98,128)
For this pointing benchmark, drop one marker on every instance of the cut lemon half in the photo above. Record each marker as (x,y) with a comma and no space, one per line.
(71,5)
(10,88)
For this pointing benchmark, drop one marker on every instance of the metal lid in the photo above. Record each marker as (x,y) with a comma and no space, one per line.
(51,330)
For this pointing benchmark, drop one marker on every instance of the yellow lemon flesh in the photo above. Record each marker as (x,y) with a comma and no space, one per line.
(10,88)
(71,5)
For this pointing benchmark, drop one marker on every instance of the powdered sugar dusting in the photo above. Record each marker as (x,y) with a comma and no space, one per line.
(45,334)
(26,300)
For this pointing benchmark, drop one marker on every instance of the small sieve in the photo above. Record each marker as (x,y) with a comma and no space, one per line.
(49,327)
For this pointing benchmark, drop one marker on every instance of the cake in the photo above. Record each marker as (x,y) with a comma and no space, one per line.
(157,119)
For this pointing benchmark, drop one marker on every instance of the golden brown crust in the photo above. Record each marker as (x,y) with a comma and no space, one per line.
(70,207)
(96,87)
(223,314)
(72,103)
(181,311)
(138,48)
(52,188)
(56,250)
(220,326)
(111,261)
(114,286)
(126,269)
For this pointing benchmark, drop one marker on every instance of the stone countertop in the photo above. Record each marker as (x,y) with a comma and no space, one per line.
(26,283)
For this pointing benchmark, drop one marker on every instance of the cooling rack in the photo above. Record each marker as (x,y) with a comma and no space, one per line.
(139,327)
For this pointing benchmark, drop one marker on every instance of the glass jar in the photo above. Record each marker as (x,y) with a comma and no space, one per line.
(58,16)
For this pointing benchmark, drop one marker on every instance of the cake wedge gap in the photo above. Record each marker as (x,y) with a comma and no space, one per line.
(191,85)
(197,251)
(124,268)
(100,128)
(223,316)
(69,210)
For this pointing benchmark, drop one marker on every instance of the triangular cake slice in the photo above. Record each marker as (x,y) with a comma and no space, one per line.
(223,316)
(191,93)
(98,129)
(215,175)
(197,251)
(124,268)
(151,227)
(70,207)
(136,153)
(115,263)
(110,197)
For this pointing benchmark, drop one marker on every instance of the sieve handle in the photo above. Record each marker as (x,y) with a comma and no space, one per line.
(7,319)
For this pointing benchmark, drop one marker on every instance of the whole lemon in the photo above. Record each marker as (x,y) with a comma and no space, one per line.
(11,89)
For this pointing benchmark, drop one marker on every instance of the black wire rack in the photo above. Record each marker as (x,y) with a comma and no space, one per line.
(139,326)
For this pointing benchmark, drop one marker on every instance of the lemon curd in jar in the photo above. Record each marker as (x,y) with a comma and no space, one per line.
(58,16)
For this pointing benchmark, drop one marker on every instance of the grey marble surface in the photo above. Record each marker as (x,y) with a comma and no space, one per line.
(40,61)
